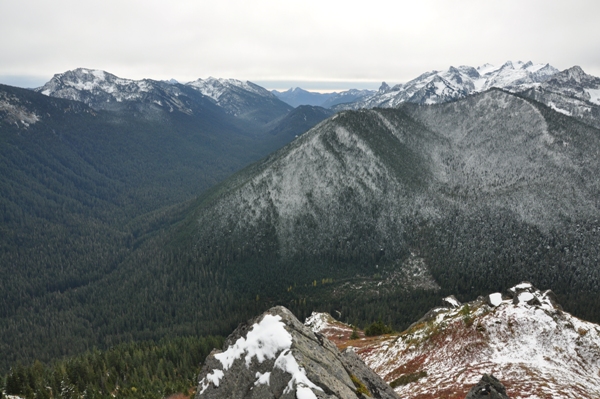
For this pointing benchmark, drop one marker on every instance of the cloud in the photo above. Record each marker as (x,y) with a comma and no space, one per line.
(265,40)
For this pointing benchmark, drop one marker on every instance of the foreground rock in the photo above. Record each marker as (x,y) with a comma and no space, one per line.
(521,336)
(276,356)
(488,388)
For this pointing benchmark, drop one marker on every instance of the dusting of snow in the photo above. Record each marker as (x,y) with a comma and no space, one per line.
(562,111)
(537,351)
(317,321)
(452,301)
(16,112)
(215,88)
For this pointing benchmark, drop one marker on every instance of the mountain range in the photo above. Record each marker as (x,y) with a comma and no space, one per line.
(120,224)
(572,91)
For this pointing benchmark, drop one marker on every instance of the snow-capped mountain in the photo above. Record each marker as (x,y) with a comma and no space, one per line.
(522,337)
(103,90)
(242,99)
(571,92)
(442,86)
(347,96)
(297,96)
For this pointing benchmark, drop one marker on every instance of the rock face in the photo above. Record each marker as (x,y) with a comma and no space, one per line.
(489,388)
(275,356)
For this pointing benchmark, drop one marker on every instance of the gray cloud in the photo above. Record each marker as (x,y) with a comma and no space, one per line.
(291,41)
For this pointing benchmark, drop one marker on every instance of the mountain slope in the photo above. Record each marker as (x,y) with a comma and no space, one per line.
(571,92)
(83,187)
(245,100)
(464,197)
(522,337)
(436,87)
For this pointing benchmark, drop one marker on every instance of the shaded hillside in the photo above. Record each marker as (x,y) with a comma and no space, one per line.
(82,187)
(298,121)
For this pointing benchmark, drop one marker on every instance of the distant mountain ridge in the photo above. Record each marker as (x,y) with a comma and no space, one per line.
(571,92)
(102,90)
(435,87)
(297,96)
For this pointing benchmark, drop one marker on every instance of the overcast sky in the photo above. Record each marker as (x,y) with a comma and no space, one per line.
(320,44)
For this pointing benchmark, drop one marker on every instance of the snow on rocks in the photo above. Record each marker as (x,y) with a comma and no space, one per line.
(275,356)
(523,338)
(452,301)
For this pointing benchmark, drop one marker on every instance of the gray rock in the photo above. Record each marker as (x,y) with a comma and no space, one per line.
(488,388)
(276,356)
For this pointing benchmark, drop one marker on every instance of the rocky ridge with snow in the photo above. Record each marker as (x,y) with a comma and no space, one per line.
(275,356)
(571,92)
(237,97)
(436,87)
(522,337)
(105,91)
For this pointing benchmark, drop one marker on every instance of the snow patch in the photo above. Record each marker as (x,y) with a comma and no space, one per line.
(525,297)
(562,111)
(496,299)
(452,301)
(214,378)
(263,378)
(522,286)
(287,363)
(264,341)
(594,95)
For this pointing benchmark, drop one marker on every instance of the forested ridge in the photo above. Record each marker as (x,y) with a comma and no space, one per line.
(144,369)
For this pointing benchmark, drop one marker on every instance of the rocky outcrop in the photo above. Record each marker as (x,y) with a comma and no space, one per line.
(276,356)
(488,388)
(521,336)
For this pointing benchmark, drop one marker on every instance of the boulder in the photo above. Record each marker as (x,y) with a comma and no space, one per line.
(488,388)
(276,356)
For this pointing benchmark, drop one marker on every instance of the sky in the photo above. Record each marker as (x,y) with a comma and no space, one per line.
(319,45)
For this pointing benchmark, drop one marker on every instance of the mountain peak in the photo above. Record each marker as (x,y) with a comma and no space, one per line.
(384,88)
(576,73)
